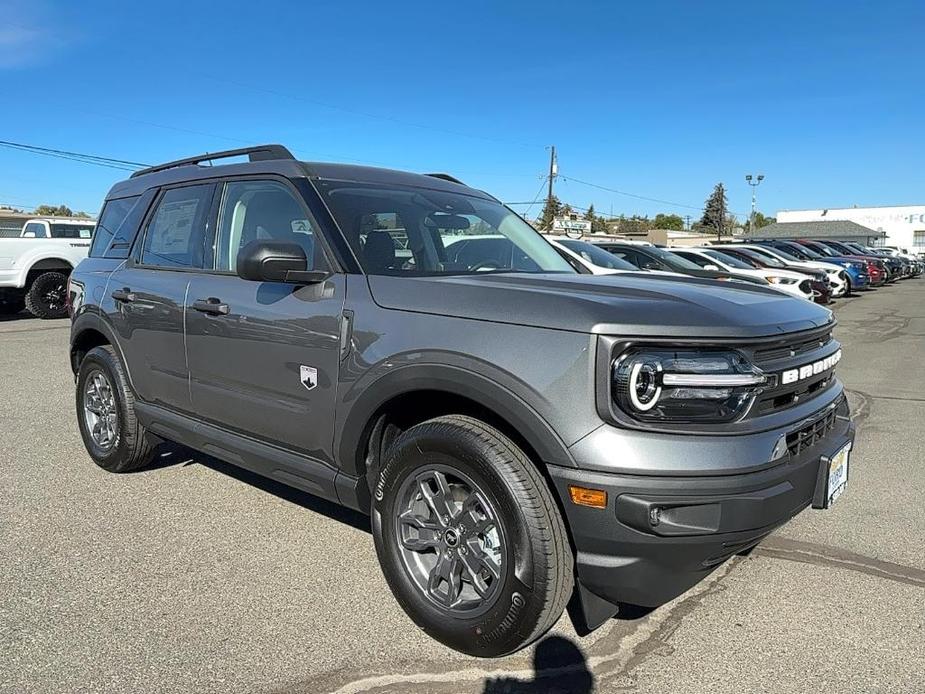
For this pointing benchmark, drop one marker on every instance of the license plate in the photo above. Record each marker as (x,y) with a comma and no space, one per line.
(838,475)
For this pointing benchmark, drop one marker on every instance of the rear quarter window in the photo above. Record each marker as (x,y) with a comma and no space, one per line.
(111,219)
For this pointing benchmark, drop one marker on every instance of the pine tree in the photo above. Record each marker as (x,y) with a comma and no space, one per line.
(589,214)
(714,212)
(551,210)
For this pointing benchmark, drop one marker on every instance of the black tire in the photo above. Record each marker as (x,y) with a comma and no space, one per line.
(847,285)
(130,448)
(47,296)
(10,305)
(536,567)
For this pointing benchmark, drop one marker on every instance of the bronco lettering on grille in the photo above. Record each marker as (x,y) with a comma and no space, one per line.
(807,370)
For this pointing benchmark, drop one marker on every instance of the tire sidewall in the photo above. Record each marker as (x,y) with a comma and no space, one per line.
(512,619)
(100,359)
(35,296)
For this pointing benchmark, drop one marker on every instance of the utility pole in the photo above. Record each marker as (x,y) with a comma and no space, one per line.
(754,183)
(688,219)
(553,172)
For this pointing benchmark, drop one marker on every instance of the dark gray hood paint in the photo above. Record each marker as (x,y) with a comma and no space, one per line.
(626,304)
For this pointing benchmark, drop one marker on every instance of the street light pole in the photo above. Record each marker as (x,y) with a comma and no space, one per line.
(754,182)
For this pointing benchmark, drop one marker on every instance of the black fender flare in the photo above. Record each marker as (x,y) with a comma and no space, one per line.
(455,381)
(92,320)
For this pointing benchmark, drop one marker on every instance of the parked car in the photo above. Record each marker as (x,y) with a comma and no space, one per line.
(34,267)
(758,258)
(521,434)
(856,269)
(652,258)
(877,273)
(834,274)
(893,266)
(788,282)
(585,256)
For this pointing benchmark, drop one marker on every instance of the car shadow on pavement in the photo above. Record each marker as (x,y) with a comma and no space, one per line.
(559,665)
(22,315)
(169,454)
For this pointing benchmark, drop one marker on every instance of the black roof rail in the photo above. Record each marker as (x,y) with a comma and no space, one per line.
(446,177)
(258,153)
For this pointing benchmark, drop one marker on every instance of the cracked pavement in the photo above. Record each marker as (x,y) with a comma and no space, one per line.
(195,576)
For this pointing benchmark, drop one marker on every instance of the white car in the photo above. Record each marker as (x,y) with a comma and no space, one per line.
(34,267)
(794,283)
(834,273)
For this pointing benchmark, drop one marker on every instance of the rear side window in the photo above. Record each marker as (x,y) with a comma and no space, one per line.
(111,218)
(71,231)
(35,230)
(177,230)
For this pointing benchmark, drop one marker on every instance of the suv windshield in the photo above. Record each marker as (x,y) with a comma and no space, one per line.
(405,230)
(597,255)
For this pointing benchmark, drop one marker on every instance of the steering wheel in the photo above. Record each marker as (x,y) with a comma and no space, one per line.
(485,265)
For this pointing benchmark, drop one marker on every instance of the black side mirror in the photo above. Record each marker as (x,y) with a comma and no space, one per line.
(276,261)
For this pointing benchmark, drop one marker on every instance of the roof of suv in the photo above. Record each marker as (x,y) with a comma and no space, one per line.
(275,159)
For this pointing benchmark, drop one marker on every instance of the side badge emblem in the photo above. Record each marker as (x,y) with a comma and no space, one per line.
(309,376)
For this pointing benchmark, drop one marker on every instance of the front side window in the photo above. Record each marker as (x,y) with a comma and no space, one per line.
(263,210)
(405,230)
(698,260)
(34,230)
(176,233)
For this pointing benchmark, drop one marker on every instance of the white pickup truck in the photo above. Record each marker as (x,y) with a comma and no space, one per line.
(35,266)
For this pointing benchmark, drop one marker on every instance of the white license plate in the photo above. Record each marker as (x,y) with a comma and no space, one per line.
(838,475)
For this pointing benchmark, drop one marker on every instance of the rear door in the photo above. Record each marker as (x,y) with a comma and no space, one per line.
(149,292)
(264,356)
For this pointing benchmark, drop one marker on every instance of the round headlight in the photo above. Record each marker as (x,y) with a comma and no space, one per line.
(644,385)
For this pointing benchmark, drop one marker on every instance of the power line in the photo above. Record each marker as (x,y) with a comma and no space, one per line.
(670,203)
(95,159)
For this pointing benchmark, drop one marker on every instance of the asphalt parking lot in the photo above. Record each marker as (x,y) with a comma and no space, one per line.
(192,576)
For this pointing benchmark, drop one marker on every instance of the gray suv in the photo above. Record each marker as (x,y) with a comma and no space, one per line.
(523,436)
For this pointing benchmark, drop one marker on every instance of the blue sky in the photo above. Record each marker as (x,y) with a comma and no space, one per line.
(658,99)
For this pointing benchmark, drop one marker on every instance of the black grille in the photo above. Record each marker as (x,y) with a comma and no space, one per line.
(793,348)
(809,435)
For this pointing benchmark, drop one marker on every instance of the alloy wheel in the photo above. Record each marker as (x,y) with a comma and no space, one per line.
(100,413)
(451,541)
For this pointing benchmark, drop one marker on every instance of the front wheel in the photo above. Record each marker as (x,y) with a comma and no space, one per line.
(469,537)
(47,297)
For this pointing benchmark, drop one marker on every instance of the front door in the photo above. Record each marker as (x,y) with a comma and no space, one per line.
(264,356)
(148,294)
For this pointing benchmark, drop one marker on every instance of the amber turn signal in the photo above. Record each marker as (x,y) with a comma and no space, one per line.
(595,498)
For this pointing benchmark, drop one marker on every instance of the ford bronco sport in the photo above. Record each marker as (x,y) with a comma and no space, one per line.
(407,346)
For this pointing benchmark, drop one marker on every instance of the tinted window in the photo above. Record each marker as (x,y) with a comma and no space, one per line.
(176,233)
(111,218)
(72,231)
(596,255)
(263,210)
(397,229)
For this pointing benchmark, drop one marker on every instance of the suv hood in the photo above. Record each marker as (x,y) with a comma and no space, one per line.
(624,304)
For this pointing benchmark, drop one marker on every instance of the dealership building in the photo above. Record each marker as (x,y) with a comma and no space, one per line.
(902,226)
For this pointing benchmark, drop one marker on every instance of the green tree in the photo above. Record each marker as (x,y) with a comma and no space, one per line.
(714,211)
(599,225)
(551,210)
(52,211)
(634,225)
(668,221)
(589,213)
(762,221)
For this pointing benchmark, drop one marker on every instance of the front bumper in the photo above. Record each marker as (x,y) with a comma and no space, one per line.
(662,533)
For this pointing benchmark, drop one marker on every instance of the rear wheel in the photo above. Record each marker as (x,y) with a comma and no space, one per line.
(47,296)
(469,537)
(114,438)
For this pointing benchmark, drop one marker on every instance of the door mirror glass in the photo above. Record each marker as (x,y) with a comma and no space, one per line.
(276,261)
